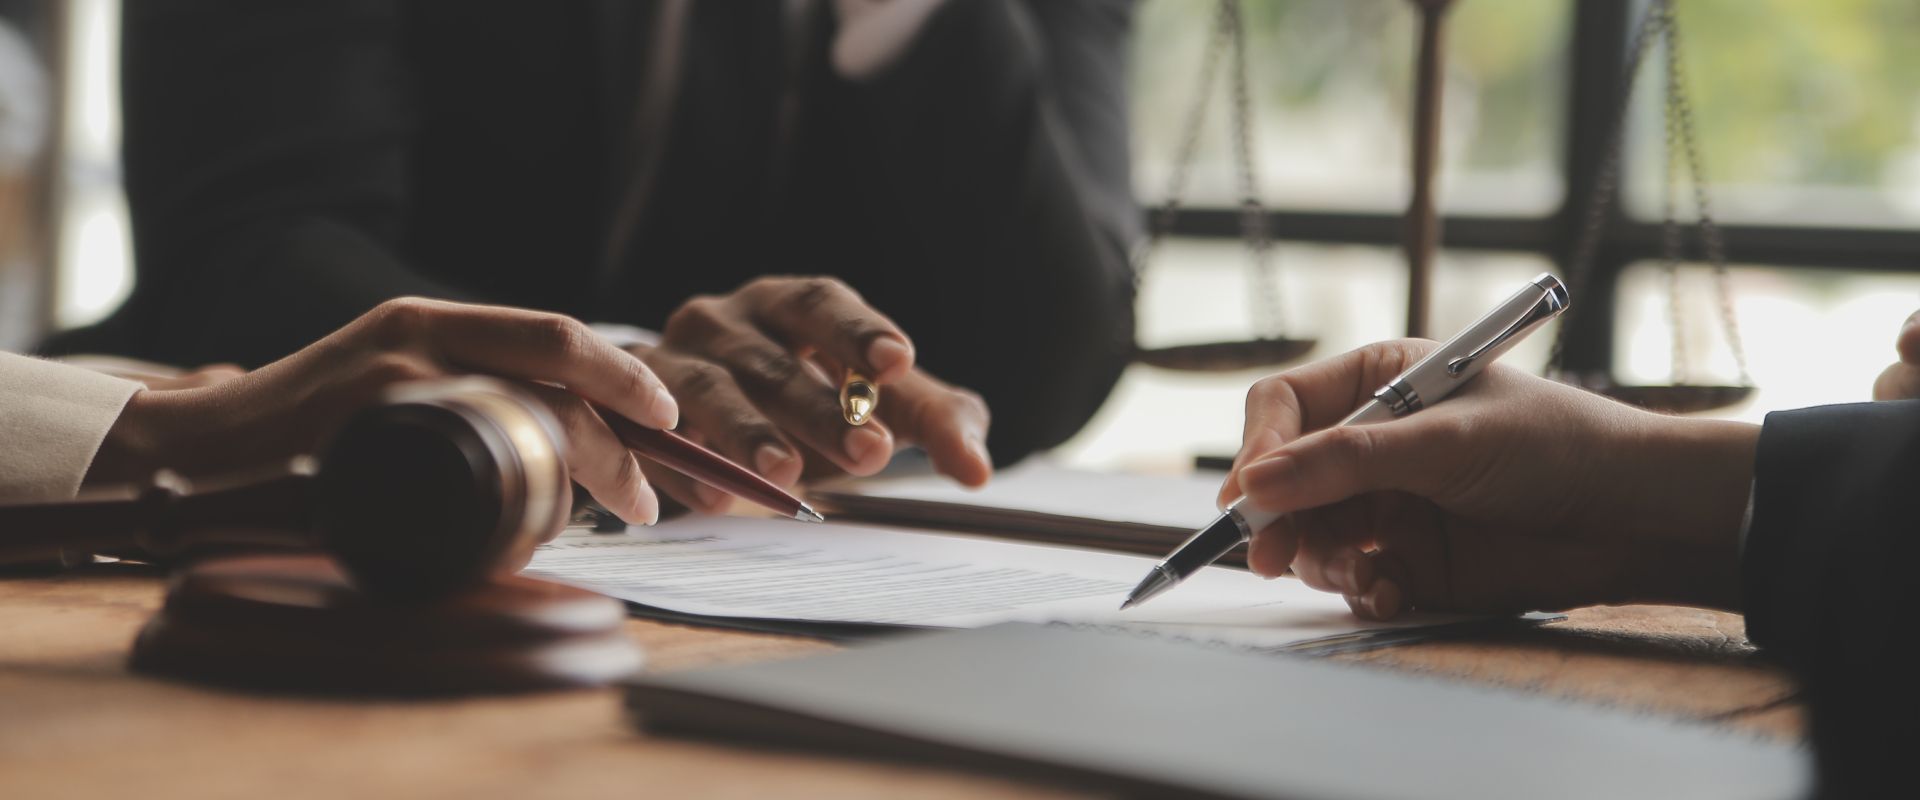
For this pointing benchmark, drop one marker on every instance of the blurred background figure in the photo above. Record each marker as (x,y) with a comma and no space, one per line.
(962,166)
(1805,114)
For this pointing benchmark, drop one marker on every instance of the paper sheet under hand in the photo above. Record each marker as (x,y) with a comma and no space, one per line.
(775,569)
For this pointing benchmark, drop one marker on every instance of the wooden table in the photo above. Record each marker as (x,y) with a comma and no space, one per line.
(75,723)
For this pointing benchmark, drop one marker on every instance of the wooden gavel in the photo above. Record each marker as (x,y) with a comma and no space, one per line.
(435,489)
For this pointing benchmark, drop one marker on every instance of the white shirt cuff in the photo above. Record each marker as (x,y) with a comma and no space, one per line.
(53,418)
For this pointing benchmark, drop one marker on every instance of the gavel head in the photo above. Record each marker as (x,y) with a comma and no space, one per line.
(441,486)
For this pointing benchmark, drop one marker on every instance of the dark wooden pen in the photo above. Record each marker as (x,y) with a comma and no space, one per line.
(708,467)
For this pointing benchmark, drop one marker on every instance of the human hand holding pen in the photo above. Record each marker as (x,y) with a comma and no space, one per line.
(1516,494)
(288,407)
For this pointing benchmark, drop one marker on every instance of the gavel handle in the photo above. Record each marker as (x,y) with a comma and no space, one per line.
(265,509)
(68,533)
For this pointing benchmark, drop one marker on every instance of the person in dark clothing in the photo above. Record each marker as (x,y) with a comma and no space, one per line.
(1519,493)
(960,166)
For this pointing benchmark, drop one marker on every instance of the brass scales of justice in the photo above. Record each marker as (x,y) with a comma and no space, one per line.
(1273,347)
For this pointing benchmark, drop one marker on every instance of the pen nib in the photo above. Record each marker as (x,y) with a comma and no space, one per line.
(807,514)
(1157,581)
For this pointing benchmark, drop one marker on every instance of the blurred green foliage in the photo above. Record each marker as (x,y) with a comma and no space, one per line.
(1803,91)
(1301,53)
(1787,92)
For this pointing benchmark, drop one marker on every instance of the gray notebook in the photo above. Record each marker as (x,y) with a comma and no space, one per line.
(1124,713)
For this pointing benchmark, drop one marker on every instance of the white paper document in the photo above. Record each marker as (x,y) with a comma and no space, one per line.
(781,570)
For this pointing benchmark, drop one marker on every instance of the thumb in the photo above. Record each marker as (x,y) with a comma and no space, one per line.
(1340,463)
(1897,382)
(1908,344)
(1259,445)
(1282,407)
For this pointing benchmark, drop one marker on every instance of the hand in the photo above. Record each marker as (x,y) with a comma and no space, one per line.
(758,373)
(1515,494)
(1901,381)
(286,407)
(197,377)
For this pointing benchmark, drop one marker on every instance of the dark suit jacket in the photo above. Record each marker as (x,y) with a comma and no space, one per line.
(1829,580)
(291,164)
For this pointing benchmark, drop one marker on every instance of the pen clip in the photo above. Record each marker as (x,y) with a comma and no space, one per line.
(1547,307)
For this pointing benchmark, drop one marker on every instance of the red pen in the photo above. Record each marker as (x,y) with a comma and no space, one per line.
(706,466)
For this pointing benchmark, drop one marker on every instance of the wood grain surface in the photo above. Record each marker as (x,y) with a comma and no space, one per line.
(75,723)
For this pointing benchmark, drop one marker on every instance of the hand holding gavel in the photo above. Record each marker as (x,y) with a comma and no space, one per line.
(287,407)
(435,488)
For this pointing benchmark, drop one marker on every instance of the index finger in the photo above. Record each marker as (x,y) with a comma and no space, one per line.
(533,346)
(826,315)
(1305,399)
(949,422)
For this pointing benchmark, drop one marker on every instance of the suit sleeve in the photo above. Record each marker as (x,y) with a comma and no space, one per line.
(53,418)
(1828,576)
(1087,47)
(267,161)
(993,153)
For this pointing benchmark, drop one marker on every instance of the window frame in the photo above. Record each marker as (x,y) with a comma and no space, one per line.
(1600,34)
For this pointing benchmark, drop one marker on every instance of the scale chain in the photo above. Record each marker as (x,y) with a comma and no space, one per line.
(1226,33)
(1671,243)
(1253,215)
(1680,108)
(1189,143)
(1581,261)
(1659,21)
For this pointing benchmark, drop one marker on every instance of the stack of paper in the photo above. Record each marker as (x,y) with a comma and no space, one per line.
(723,569)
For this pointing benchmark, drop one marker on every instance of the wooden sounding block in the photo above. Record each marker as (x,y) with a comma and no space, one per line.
(389,566)
(295,623)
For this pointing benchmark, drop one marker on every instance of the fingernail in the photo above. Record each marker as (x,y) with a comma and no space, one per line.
(1262,443)
(646,507)
(1346,574)
(714,499)
(1273,470)
(886,354)
(979,450)
(1384,601)
(663,412)
(1358,572)
(862,444)
(1229,492)
(1255,562)
(772,460)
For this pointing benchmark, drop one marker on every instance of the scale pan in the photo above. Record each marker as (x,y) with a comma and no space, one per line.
(1226,356)
(1684,398)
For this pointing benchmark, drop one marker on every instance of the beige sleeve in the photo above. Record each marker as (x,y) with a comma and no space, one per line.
(52,420)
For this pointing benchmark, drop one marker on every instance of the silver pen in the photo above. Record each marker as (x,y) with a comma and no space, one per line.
(1445,369)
